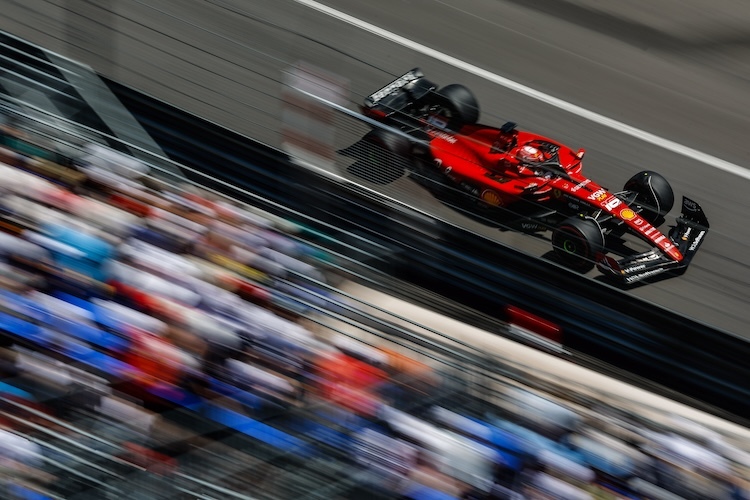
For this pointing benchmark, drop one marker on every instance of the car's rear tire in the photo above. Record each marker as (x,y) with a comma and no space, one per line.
(577,241)
(654,195)
(462,104)
(387,155)
(389,141)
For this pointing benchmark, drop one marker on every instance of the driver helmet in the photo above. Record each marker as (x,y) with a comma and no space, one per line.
(530,154)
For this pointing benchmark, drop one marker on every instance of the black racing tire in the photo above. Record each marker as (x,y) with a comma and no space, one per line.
(389,141)
(576,242)
(654,195)
(464,107)
(387,155)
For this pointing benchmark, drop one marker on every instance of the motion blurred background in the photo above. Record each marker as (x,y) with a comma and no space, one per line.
(165,340)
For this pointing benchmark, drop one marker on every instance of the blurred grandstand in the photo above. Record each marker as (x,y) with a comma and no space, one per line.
(163,341)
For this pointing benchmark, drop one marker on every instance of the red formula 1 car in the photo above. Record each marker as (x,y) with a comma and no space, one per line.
(536,179)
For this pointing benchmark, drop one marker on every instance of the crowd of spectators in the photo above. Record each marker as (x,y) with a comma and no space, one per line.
(124,299)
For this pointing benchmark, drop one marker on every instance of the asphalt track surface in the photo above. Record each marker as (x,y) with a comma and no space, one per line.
(674,70)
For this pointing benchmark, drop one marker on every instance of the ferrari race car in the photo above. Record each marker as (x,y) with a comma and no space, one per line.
(535,178)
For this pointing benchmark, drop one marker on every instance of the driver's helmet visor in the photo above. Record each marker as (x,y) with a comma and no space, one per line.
(528,153)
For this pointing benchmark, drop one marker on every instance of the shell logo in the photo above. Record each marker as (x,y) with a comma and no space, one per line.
(627,214)
(491,198)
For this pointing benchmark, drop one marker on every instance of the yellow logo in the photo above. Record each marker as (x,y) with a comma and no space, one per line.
(491,198)
(627,214)
(598,195)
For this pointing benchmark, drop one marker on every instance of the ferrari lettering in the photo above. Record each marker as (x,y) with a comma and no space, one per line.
(444,136)
(697,241)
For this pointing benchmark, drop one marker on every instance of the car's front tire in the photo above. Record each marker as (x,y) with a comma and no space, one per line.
(654,195)
(577,241)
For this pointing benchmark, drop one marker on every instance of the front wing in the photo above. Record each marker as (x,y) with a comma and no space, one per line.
(688,235)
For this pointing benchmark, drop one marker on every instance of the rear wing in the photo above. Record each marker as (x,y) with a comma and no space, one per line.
(393,87)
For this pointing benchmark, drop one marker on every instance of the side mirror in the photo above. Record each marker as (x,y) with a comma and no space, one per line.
(580,153)
(508,127)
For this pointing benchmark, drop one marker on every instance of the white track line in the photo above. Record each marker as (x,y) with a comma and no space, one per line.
(624,128)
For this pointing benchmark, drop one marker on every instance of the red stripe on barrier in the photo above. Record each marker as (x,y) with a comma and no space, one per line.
(534,324)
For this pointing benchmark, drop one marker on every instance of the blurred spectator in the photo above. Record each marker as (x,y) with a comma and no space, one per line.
(546,416)
(424,474)
(350,383)
(21,462)
(155,360)
(389,460)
